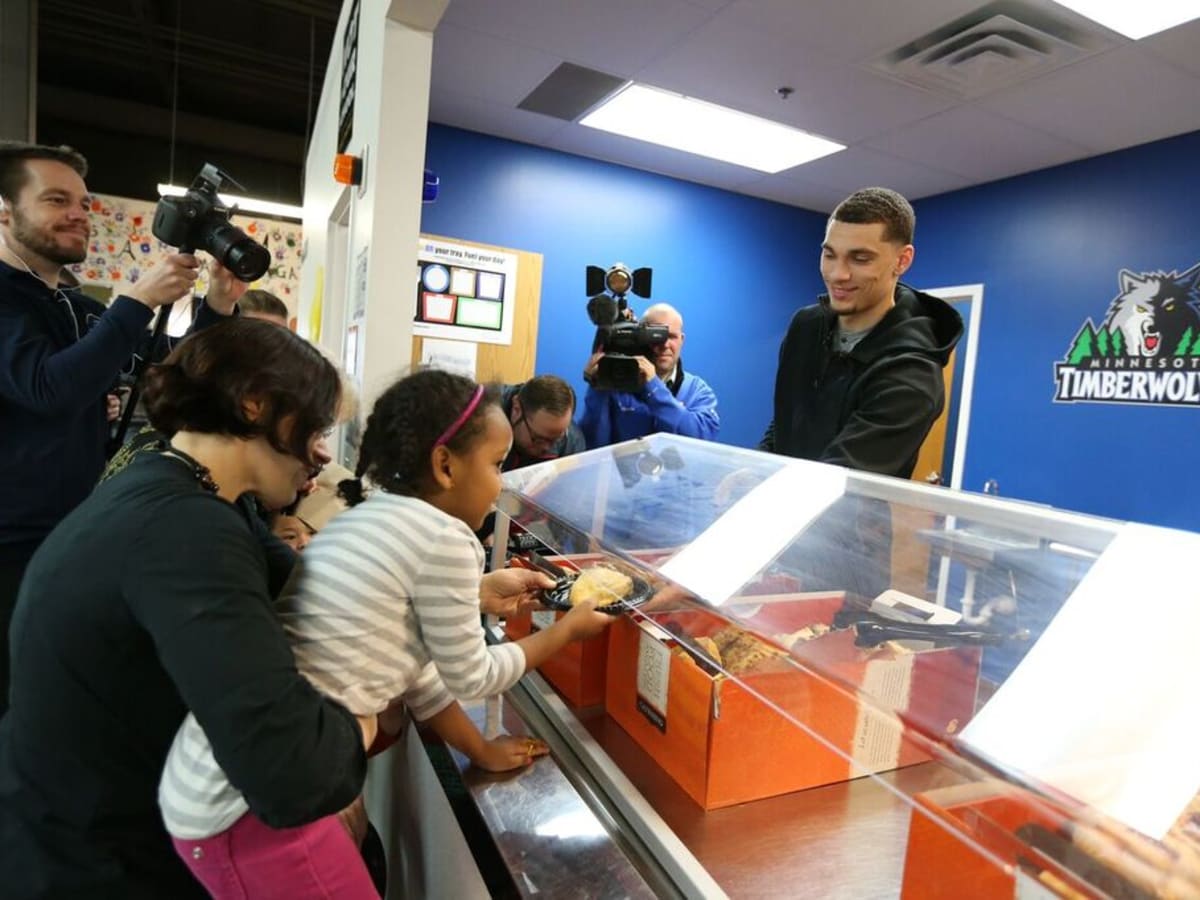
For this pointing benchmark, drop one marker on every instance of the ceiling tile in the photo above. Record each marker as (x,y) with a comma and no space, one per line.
(831,99)
(615,36)
(650,157)
(490,68)
(850,104)
(1117,99)
(809,195)
(473,114)
(851,32)
(859,167)
(1177,45)
(713,63)
(977,145)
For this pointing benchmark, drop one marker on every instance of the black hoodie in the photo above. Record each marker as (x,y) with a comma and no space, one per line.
(869,409)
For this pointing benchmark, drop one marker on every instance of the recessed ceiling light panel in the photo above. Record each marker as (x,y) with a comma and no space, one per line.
(1135,19)
(693,126)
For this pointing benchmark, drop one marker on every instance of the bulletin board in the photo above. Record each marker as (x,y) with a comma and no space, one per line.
(515,361)
(465,292)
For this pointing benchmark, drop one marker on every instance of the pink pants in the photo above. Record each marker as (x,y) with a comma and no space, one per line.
(251,861)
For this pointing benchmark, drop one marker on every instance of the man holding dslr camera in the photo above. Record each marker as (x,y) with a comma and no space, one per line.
(61,352)
(669,400)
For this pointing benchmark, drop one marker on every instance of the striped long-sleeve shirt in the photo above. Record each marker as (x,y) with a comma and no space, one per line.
(384,603)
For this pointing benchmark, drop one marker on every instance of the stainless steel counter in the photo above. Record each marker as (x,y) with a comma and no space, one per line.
(599,818)
(551,842)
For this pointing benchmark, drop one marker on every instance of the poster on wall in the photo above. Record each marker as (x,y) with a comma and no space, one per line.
(1146,349)
(465,293)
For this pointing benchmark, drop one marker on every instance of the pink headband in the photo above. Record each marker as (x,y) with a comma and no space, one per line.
(450,432)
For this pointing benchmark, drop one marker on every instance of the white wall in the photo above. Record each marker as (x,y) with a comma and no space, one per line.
(379,224)
(395,45)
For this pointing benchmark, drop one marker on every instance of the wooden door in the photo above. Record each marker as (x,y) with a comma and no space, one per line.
(911,555)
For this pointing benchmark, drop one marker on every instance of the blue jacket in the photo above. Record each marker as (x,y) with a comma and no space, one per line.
(610,417)
(60,355)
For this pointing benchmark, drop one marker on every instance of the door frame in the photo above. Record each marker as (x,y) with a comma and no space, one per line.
(972,293)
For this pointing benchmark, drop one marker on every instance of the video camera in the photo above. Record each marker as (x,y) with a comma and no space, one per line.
(621,339)
(200,221)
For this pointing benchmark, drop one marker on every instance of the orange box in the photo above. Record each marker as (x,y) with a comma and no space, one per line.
(723,745)
(578,670)
(961,843)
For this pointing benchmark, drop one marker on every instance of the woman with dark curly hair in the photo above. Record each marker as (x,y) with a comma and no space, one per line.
(150,600)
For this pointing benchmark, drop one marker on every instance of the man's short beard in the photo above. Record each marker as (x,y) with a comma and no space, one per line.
(46,249)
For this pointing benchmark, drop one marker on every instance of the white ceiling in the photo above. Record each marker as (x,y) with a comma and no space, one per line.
(489,54)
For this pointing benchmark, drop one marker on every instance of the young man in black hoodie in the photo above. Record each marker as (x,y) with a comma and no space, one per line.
(860,373)
(860,380)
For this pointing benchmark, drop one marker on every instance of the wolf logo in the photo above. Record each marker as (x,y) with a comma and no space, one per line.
(1146,349)
(1155,309)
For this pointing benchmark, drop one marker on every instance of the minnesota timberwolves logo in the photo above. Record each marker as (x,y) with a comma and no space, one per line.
(1147,349)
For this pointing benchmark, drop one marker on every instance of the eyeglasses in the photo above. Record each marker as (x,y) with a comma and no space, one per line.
(538,440)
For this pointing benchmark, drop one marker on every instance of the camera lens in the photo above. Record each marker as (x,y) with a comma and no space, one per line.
(247,259)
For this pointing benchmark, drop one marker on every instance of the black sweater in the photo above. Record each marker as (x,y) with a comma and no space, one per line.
(148,600)
(60,354)
(869,409)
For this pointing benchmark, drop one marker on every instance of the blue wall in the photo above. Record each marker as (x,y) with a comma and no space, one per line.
(578,212)
(1047,246)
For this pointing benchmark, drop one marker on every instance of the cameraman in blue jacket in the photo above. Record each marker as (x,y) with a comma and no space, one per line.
(670,400)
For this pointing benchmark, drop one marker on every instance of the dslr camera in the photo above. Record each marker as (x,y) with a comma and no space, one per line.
(200,221)
(622,339)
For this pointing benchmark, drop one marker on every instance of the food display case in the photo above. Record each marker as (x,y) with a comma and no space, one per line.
(845,685)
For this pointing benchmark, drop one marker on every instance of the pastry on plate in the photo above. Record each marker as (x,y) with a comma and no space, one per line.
(602,586)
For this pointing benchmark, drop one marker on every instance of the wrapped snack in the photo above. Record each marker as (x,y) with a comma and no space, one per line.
(740,651)
(807,633)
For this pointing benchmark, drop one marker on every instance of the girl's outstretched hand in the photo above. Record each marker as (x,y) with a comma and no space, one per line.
(510,592)
(583,621)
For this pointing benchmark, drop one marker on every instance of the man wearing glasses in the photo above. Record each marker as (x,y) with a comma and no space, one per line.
(540,412)
(670,400)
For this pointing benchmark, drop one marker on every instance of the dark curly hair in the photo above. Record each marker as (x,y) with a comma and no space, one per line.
(878,205)
(404,424)
(204,384)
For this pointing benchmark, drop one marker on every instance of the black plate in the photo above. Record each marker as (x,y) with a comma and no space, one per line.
(560,597)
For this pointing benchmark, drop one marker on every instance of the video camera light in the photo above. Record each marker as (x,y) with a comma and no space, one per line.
(618,280)
(621,339)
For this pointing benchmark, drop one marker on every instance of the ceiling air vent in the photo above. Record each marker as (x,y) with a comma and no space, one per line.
(1000,45)
(570,91)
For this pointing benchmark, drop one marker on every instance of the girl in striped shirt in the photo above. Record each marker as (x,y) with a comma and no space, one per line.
(383,604)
